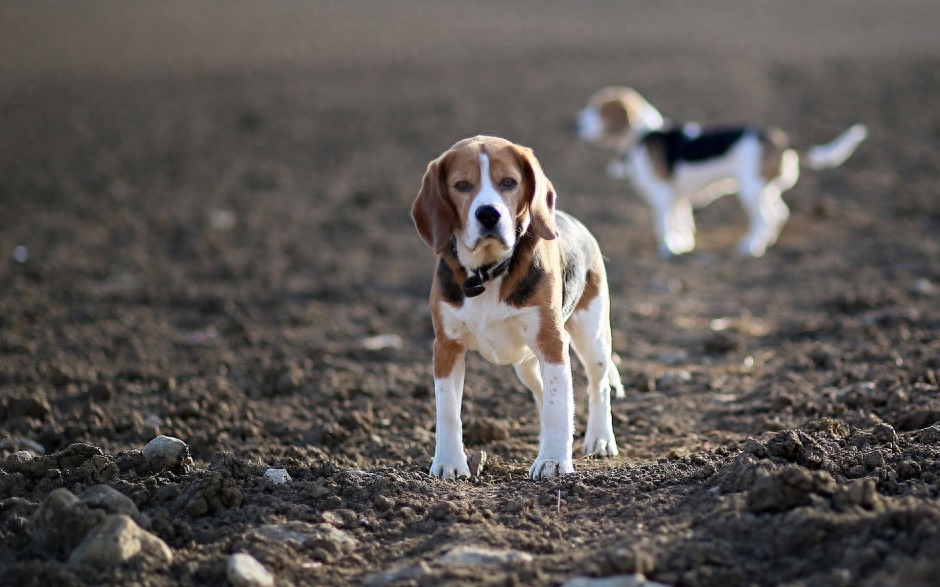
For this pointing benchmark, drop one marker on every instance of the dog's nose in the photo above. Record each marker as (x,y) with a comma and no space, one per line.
(488,216)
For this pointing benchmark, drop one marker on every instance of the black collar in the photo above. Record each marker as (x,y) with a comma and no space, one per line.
(473,285)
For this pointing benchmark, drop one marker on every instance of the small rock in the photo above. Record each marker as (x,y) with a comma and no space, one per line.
(636,580)
(244,570)
(307,535)
(222,220)
(381,341)
(673,378)
(117,540)
(61,523)
(105,497)
(672,357)
(278,476)
(411,573)
(476,555)
(20,254)
(167,452)
(922,287)
(20,457)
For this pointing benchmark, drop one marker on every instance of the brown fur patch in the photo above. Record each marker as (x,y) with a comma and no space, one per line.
(773,142)
(592,289)
(615,116)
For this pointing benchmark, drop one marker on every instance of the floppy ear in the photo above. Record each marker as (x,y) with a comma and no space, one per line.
(542,197)
(618,114)
(433,216)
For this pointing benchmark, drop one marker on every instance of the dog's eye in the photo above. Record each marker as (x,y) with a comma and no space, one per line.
(462,186)
(508,183)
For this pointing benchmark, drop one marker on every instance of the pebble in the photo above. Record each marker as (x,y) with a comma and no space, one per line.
(306,535)
(109,499)
(278,476)
(381,341)
(244,570)
(673,378)
(116,540)
(922,287)
(673,357)
(60,523)
(412,573)
(21,254)
(476,555)
(166,452)
(636,580)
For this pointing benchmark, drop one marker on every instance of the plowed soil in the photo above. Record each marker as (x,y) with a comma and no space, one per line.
(205,234)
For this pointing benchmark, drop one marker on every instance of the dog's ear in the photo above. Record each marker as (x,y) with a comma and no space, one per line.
(542,196)
(433,215)
(618,114)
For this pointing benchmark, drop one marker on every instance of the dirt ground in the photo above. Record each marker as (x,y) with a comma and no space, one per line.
(205,234)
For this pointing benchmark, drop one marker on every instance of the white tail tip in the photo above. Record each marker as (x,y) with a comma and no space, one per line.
(835,152)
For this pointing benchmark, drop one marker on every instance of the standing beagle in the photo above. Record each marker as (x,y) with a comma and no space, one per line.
(516,281)
(677,168)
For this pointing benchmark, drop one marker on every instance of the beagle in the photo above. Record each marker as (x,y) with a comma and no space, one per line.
(679,167)
(516,281)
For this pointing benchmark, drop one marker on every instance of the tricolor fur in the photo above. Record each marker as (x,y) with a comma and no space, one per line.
(677,168)
(520,283)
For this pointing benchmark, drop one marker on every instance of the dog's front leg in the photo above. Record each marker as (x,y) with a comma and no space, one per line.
(557,416)
(450,461)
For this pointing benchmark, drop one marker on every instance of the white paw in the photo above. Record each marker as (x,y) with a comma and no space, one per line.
(605,446)
(450,469)
(550,468)
(752,247)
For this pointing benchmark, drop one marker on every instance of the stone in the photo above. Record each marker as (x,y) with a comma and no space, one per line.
(61,523)
(278,476)
(105,497)
(477,555)
(306,535)
(244,570)
(413,573)
(166,452)
(635,580)
(116,540)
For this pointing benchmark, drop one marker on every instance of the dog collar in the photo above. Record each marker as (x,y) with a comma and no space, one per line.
(473,285)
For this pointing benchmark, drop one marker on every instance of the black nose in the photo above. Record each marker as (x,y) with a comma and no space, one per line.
(488,216)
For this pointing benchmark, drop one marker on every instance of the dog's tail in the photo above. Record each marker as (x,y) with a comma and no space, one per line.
(835,152)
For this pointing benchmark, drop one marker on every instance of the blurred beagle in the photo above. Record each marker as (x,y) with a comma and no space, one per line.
(679,167)
(516,281)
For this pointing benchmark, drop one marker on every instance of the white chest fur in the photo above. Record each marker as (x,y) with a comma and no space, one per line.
(501,333)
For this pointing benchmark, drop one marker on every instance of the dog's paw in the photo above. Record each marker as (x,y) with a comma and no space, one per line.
(752,247)
(550,468)
(601,447)
(450,469)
